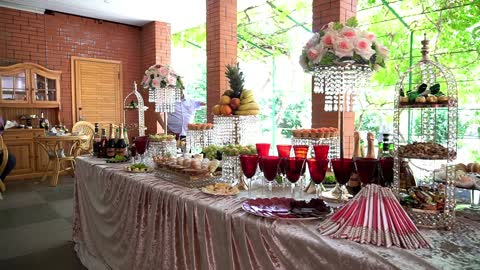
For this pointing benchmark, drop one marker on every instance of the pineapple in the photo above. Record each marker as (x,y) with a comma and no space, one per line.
(236,79)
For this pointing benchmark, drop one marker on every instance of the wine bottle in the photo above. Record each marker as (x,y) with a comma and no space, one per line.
(96,140)
(41,121)
(111,143)
(102,148)
(121,145)
(125,135)
(353,185)
(370,148)
(117,134)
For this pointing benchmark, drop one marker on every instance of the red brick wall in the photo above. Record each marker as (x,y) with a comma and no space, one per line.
(156,49)
(51,40)
(221,47)
(325,11)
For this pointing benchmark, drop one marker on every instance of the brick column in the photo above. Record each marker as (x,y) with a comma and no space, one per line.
(325,11)
(221,47)
(156,49)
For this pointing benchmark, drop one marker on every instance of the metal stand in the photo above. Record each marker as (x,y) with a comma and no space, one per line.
(140,107)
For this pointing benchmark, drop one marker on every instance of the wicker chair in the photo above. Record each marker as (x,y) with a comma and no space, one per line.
(85,128)
(3,161)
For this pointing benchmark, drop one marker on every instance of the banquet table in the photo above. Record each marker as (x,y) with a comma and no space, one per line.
(126,220)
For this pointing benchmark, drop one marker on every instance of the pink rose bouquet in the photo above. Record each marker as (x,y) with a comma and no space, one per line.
(337,42)
(158,76)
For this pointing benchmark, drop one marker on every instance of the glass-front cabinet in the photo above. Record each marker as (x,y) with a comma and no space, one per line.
(29,84)
(14,88)
(45,87)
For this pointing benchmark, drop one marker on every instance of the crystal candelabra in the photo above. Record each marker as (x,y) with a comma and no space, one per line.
(340,83)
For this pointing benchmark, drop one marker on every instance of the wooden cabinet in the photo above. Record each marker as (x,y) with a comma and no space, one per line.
(31,158)
(29,85)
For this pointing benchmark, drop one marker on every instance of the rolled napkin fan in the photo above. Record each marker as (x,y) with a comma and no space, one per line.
(374,217)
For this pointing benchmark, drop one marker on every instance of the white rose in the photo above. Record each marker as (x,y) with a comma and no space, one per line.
(363,47)
(343,47)
(382,51)
(349,32)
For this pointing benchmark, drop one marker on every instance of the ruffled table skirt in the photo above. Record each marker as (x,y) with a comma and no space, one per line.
(137,221)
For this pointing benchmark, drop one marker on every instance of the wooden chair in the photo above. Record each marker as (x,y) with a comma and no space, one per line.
(3,161)
(84,128)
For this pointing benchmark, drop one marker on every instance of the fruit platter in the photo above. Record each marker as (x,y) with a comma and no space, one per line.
(287,208)
(220,189)
(138,168)
(118,159)
(236,100)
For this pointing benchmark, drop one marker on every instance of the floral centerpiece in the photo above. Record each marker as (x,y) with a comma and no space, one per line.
(336,43)
(158,76)
(163,86)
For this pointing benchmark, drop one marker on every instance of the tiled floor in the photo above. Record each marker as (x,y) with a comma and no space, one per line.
(36,226)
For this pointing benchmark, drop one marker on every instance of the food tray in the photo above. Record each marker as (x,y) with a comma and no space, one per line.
(185,179)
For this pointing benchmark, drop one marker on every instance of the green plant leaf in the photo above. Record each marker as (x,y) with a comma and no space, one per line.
(337,26)
(352,22)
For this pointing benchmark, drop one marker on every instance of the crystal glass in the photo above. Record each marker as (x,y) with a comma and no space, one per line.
(366,168)
(262,149)
(342,169)
(318,169)
(270,170)
(321,151)
(295,168)
(249,168)
(300,151)
(386,165)
(284,150)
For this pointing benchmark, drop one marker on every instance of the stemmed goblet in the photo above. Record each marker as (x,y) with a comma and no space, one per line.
(386,164)
(262,151)
(295,169)
(283,152)
(366,169)
(321,151)
(249,168)
(342,169)
(141,145)
(301,151)
(270,170)
(318,169)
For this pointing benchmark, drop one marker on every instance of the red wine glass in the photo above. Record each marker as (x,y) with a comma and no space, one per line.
(318,169)
(141,145)
(366,169)
(270,170)
(295,169)
(386,165)
(342,169)
(321,151)
(249,168)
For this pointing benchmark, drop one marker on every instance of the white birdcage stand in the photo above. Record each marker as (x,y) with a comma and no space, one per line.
(141,108)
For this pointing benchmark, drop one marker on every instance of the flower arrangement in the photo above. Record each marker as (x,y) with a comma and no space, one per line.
(337,42)
(158,76)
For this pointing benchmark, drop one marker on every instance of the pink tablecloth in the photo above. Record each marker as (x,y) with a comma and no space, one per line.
(138,221)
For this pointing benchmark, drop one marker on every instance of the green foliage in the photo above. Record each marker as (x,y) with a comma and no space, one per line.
(352,22)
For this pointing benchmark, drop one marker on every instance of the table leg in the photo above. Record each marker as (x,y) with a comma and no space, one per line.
(45,174)
(56,172)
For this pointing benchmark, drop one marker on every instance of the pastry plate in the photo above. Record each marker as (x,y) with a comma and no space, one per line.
(287,208)
(209,192)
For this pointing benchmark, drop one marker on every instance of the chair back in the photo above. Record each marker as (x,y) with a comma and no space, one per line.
(4,152)
(85,128)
